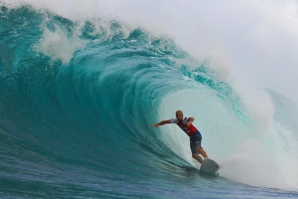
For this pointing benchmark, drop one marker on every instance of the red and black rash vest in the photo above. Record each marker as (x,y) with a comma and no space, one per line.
(189,130)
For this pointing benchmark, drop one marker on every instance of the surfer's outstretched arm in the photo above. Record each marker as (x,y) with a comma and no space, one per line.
(162,123)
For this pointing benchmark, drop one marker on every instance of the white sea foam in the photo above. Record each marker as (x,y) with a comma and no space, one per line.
(59,45)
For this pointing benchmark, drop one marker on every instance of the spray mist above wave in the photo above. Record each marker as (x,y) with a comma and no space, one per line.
(219,32)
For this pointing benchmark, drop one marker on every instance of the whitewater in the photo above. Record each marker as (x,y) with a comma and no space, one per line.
(82,83)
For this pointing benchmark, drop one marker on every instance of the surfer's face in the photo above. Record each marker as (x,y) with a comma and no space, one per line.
(179,116)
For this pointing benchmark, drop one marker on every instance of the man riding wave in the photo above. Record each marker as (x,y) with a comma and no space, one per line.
(185,123)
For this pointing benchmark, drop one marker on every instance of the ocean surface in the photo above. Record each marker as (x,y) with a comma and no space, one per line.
(78,98)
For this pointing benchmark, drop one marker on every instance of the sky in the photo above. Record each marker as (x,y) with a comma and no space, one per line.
(255,41)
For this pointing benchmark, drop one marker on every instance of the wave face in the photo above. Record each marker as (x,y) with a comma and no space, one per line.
(78,99)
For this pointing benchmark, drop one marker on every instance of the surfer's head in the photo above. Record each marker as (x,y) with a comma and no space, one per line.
(179,115)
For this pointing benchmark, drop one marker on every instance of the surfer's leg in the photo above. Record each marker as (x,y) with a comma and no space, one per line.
(195,153)
(198,147)
(201,151)
(197,157)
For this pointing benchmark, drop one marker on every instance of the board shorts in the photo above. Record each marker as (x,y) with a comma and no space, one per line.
(195,141)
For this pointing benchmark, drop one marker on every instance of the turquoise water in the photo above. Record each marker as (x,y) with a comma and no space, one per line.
(78,100)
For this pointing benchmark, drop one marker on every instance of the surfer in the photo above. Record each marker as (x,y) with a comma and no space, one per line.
(185,123)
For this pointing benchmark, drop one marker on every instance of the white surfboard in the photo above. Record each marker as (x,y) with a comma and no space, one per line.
(209,167)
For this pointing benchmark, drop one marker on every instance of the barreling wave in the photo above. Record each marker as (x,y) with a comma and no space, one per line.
(78,100)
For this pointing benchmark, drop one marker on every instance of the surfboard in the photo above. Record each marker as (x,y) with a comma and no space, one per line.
(209,167)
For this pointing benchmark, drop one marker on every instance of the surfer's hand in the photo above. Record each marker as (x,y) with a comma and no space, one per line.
(189,123)
(155,125)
